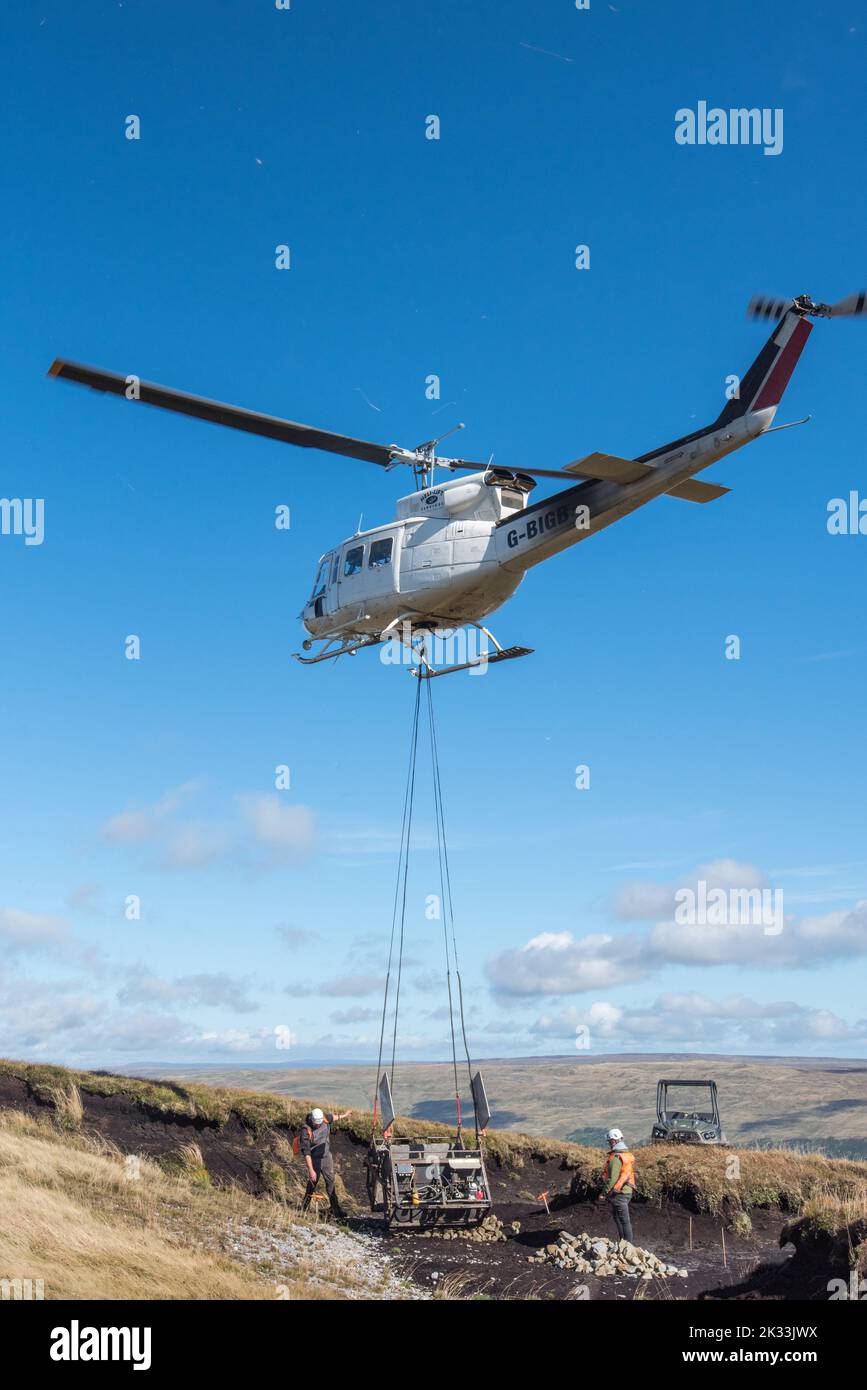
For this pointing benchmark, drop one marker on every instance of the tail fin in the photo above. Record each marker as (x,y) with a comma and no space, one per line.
(763,386)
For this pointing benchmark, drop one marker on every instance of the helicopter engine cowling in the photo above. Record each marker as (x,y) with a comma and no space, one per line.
(463,495)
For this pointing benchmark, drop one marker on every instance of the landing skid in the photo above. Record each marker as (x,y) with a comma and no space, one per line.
(425,671)
(336,646)
(349,644)
(428,672)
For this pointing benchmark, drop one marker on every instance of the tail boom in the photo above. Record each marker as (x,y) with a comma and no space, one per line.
(547,527)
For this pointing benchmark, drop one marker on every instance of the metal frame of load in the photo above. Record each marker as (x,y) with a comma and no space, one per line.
(417,1183)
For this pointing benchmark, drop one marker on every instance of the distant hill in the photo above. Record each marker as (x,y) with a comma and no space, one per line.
(805,1102)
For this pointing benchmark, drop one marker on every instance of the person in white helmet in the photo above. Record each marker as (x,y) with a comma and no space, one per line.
(315,1146)
(619,1178)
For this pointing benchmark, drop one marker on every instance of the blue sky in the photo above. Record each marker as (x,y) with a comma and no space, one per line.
(263,909)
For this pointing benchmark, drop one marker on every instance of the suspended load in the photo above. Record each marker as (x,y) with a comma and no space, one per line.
(423,1182)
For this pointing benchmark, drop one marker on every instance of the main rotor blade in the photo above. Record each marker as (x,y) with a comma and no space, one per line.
(251,421)
(217,413)
(534,472)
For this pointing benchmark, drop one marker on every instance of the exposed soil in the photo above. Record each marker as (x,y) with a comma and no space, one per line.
(501,1269)
(231,1151)
(744,1266)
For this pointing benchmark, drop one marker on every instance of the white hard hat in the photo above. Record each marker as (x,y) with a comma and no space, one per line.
(614,1135)
(317,1116)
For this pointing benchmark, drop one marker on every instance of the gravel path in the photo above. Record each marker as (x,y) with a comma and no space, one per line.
(326,1256)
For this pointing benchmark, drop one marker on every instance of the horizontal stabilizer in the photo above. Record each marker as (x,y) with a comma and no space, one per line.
(608,468)
(694,491)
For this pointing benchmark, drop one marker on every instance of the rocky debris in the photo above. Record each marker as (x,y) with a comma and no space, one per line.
(329,1256)
(600,1256)
(491,1229)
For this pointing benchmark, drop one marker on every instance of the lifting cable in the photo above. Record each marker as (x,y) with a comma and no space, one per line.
(446,910)
(448,917)
(402,867)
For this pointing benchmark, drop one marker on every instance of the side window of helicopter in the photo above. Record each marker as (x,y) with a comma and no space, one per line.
(354,562)
(380,554)
(335,567)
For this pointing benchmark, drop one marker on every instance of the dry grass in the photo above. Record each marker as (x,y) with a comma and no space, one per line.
(68,1105)
(836,1221)
(76,1215)
(728,1181)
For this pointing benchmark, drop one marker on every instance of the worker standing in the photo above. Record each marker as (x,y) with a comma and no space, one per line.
(315,1146)
(619,1178)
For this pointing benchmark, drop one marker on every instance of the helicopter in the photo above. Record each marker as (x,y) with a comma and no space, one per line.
(458,548)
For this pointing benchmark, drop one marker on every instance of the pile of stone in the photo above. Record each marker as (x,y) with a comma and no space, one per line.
(490,1229)
(597,1255)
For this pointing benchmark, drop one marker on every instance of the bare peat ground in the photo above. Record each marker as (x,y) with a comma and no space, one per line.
(501,1270)
(752,1265)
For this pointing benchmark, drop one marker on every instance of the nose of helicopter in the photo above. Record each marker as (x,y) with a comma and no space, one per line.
(310,618)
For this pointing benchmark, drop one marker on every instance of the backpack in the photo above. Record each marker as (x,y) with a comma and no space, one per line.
(296,1141)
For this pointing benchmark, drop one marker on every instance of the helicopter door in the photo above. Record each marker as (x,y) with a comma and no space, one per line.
(381,561)
(351,573)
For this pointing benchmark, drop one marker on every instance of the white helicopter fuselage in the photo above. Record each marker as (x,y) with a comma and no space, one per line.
(451,557)
(436,562)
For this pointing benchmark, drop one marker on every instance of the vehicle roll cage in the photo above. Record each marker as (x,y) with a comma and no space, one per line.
(662,1088)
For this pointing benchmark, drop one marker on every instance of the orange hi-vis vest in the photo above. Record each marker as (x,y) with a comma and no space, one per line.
(627,1169)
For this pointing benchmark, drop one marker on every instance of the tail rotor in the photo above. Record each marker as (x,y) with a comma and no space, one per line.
(763,307)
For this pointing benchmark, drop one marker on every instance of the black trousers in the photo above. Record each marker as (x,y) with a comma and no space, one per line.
(620,1211)
(323,1167)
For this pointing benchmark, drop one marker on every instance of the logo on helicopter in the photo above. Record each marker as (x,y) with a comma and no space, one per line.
(431,499)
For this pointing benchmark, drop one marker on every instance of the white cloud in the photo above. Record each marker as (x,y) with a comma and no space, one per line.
(260,822)
(354,1015)
(134,827)
(694,1020)
(236,1040)
(194,844)
(288,832)
(559,963)
(351,985)
(210,990)
(802,943)
(30,931)
(638,900)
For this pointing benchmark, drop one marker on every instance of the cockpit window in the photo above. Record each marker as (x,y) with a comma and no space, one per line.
(335,567)
(380,554)
(321,579)
(354,561)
